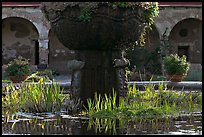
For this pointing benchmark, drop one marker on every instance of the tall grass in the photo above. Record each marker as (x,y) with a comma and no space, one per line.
(149,103)
(108,103)
(105,125)
(32,97)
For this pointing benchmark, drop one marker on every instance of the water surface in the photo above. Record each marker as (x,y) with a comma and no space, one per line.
(50,124)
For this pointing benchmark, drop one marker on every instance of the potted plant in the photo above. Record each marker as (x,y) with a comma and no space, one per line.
(18,69)
(176,67)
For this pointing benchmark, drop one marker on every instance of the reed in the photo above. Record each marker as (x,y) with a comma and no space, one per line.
(149,103)
(103,125)
(32,97)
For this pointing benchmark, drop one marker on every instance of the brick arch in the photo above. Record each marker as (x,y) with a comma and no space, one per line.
(178,20)
(20,38)
(186,36)
(170,16)
(42,28)
(153,37)
(39,21)
(23,18)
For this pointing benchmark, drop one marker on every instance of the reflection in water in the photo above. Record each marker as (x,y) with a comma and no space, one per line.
(67,125)
(104,125)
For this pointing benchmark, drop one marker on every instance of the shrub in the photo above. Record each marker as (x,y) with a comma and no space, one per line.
(174,64)
(18,67)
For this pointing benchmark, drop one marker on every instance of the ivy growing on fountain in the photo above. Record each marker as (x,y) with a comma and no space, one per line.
(87,9)
(151,11)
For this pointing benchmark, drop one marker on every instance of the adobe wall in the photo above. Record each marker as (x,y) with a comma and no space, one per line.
(53,53)
(170,16)
(178,19)
(35,16)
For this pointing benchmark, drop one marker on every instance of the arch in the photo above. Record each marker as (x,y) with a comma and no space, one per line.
(186,38)
(41,24)
(170,16)
(20,37)
(25,18)
(159,30)
(147,57)
(152,38)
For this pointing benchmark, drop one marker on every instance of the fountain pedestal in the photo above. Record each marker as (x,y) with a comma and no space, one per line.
(98,43)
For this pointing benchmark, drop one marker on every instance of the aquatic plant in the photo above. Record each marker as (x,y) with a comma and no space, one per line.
(108,103)
(72,105)
(47,74)
(105,125)
(150,103)
(32,97)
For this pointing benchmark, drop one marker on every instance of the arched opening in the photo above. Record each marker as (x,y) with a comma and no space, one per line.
(19,38)
(186,39)
(147,57)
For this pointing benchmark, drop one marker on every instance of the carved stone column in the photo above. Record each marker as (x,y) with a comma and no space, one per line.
(98,71)
(43,51)
(75,66)
(121,79)
(97,75)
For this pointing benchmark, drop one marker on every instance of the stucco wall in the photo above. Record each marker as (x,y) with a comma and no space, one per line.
(56,55)
(170,16)
(59,55)
(18,39)
(187,33)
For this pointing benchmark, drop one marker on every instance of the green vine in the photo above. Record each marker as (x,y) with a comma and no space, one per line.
(88,8)
(120,4)
(85,14)
(46,14)
(151,12)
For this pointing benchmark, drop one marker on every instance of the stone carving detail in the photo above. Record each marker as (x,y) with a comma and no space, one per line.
(75,66)
(164,44)
(99,66)
(121,77)
(108,29)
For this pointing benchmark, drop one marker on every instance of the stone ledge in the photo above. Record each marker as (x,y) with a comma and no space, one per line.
(183,84)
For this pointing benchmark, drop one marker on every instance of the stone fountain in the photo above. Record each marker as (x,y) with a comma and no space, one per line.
(98,32)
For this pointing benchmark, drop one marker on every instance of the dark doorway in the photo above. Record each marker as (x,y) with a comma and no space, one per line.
(48,52)
(183,50)
(36,52)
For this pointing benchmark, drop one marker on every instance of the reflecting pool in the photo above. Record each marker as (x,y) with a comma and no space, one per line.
(61,124)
